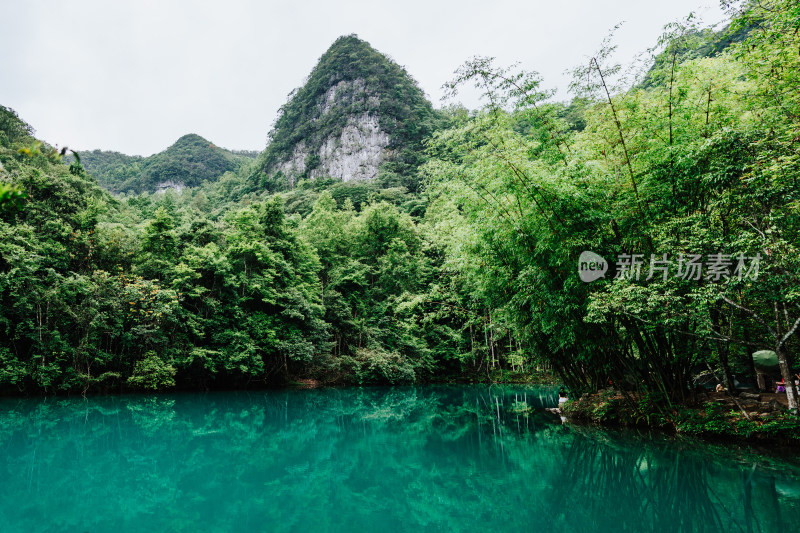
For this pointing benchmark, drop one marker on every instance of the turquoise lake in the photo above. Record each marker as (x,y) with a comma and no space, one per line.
(432,458)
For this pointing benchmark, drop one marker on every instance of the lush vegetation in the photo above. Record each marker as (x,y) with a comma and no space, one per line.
(702,160)
(190,162)
(732,419)
(151,292)
(460,261)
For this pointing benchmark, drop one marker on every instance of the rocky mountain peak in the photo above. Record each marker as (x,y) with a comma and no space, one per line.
(357,110)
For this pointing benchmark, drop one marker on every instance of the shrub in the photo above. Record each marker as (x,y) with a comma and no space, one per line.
(375,365)
(152,373)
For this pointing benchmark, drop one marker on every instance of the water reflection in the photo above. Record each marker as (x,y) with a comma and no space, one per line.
(425,458)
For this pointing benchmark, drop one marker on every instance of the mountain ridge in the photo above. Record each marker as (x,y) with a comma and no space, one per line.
(190,161)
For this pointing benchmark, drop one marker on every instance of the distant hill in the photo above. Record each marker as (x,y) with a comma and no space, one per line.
(695,44)
(359,113)
(191,161)
(13,129)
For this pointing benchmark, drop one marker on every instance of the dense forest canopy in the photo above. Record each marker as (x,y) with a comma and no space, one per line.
(190,162)
(460,260)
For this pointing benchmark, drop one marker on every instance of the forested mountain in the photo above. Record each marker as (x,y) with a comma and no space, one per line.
(686,41)
(116,172)
(190,162)
(359,115)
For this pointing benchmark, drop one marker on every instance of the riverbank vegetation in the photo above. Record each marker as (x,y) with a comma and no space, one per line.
(682,182)
(746,418)
(461,263)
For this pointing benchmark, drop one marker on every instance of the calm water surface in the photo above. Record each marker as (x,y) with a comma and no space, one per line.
(381,459)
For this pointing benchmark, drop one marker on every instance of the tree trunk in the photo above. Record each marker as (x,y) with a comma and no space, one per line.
(788,378)
(726,369)
(722,351)
(761,382)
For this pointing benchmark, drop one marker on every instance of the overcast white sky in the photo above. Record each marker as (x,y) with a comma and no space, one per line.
(135,75)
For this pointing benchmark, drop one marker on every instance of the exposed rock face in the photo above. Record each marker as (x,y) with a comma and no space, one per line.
(344,92)
(169,184)
(295,165)
(354,154)
(357,153)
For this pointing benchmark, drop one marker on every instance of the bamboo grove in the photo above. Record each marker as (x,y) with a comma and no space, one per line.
(695,158)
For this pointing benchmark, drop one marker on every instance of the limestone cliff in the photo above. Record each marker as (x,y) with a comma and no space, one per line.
(357,110)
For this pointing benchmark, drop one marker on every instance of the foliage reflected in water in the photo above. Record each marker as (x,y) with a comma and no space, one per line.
(428,458)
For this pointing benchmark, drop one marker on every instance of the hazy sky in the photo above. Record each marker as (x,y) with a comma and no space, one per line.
(135,75)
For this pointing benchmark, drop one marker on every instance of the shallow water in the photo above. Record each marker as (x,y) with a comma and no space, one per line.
(437,458)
